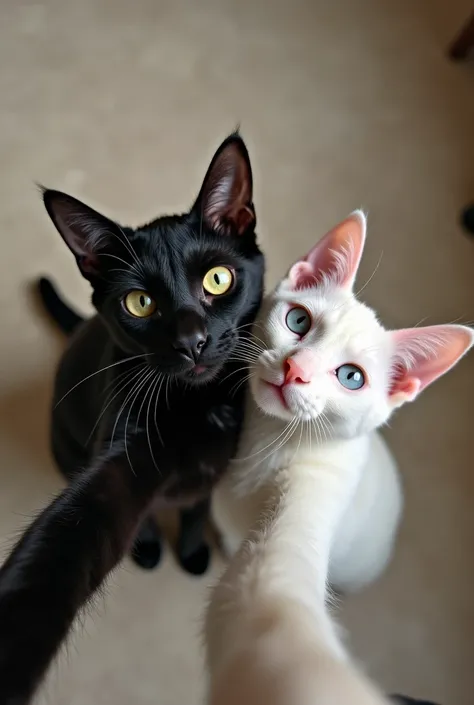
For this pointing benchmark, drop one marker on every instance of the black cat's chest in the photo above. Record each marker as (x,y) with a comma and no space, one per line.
(188,434)
(201,436)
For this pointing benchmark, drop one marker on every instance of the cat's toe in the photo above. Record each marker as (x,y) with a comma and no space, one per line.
(147,554)
(197,562)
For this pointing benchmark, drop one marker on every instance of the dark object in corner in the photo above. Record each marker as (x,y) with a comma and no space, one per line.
(467,218)
(403,700)
(464,42)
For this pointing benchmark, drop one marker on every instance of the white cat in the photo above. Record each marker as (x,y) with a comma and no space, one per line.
(325,375)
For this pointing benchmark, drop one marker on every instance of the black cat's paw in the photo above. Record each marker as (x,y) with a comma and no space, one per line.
(197,562)
(147,549)
(147,554)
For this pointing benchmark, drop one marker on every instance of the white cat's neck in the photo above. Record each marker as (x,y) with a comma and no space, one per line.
(269,447)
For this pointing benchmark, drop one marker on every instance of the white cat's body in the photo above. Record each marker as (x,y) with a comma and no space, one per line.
(314,493)
(325,375)
(364,539)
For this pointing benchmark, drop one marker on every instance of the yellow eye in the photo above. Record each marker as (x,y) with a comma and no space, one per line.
(140,304)
(218,281)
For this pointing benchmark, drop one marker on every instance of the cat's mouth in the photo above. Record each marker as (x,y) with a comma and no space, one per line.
(206,368)
(278,392)
(197,373)
(200,373)
(284,401)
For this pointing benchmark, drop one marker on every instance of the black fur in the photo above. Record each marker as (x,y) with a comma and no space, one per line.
(159,424)
(168,259)
(67,319)
(62,560)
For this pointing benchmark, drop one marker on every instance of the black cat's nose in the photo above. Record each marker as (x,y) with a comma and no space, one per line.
(191,345)
(191,335)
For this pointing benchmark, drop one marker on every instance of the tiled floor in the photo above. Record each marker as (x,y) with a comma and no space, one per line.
(344,104)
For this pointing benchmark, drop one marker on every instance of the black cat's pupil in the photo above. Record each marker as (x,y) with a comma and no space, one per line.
(142,301)
(216,278)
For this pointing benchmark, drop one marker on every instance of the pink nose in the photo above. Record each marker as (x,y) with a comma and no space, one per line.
(295,372)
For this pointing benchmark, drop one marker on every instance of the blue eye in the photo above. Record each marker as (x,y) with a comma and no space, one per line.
(298,320)
(350,376)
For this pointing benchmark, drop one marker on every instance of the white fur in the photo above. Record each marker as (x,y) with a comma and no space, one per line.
(269,634)
(364,538)
(330,418)
(313,488)
(321,416)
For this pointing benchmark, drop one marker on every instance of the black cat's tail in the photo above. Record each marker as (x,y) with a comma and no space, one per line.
(65,317)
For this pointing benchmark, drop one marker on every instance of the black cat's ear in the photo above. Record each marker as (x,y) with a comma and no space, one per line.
(84,230)
(225,200)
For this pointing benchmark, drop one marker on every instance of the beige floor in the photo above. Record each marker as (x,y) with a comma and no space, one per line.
(344,104)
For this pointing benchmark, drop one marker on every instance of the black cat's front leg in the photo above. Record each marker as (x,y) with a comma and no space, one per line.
(61,561)
(216,446)
(192,549)
(147,547)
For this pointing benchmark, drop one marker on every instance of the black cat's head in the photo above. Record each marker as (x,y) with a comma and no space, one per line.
(181,287)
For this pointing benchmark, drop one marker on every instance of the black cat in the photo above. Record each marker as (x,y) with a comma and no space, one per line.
(148,403)
(154,372)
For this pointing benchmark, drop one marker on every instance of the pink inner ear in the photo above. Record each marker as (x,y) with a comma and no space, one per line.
(302,276)
(227,192)
(424,354)
(335,258)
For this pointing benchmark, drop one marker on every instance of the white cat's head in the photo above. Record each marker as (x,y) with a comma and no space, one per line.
(328,359)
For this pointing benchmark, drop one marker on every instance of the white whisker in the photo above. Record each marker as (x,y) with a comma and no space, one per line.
(129,395)
(140,387)
(167,386)
(292,426)
(234,372)
(147,424)
(156,408)
(371,276)
(103,369)
(249,457)
(148,391)
(239,384)
(131,375)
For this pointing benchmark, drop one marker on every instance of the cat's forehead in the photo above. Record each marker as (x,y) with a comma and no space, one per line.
(167,248)
(338,317)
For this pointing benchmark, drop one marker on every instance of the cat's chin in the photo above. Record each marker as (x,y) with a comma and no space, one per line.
(282,404)
(200,374)
(270,400)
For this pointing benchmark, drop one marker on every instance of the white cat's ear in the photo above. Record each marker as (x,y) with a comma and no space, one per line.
(335,258)
(422,355)
(225,201)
